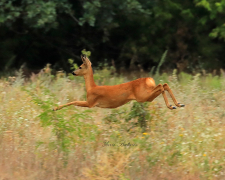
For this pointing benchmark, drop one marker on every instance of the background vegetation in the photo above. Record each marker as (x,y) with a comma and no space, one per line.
(130,32)
(169,40)
(38,143)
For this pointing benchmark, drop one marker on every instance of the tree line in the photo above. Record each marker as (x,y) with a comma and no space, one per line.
(129,32)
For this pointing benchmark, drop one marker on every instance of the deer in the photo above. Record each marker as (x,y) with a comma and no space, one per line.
(141,90)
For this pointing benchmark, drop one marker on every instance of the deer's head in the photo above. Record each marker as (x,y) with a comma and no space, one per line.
(85,68)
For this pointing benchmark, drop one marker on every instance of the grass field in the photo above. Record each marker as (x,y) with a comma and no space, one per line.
(82,143)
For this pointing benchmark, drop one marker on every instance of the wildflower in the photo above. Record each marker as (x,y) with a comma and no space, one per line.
(204,154)
(142,137)
(181,135)
(145,133)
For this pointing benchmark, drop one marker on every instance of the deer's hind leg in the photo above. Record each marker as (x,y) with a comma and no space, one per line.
(167,88)
(156,92)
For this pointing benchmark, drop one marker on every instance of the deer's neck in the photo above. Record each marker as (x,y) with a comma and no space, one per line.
(89,80)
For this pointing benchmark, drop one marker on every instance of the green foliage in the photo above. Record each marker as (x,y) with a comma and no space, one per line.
(157,75)
(35,14)
(103,72)
(72,64)
(162,60)
(213,82)
(215,10)
(115,116)
(186,142)
(42,31)
(93,11)
(63,128)
(87,53)
(139,111)
(185,78)
(19,77)
(138,116)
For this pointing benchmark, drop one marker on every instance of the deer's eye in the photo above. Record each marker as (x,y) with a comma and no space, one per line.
(80,68)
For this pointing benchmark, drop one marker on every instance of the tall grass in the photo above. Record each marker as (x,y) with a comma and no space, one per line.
(83,143)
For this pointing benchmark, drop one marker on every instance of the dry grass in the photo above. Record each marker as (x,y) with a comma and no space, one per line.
(187,143)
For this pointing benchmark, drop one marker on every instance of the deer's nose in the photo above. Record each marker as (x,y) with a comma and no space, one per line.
(73,73)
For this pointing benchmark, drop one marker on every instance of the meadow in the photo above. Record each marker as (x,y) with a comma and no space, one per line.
(132,142)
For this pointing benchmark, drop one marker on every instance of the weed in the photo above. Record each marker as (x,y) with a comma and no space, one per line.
(37,143)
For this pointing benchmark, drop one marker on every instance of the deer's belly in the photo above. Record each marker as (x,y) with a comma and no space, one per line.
(110,103)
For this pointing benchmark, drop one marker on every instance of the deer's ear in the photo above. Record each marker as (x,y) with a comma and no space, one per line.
(83,58)
(88,61)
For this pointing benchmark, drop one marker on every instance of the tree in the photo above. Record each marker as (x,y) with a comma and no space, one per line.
(131,31)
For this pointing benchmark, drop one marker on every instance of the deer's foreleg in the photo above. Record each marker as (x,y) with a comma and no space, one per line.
(75,103)
(167,88)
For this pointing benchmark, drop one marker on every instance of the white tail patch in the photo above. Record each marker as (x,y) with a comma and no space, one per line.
(150,82)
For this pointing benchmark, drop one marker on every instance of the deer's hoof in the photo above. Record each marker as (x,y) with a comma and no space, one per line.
(172,107)
(181,105)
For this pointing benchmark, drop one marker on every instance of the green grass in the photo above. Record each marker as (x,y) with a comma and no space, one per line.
(37,143)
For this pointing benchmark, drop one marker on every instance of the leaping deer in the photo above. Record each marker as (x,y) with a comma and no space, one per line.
(141,90)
